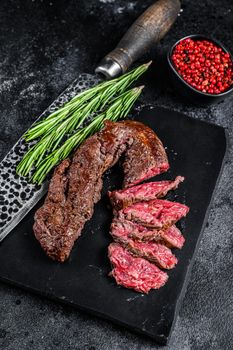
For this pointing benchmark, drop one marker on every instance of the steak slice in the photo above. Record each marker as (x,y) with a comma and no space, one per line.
(145,192)
(152,251)
(134,230)
(171,236)
(136,273)
(157,213)
(76,184)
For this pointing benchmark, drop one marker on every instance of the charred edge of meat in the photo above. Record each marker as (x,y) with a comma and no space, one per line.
(56,197)
(145,158)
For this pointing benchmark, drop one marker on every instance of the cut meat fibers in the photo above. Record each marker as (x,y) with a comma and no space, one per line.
(171,236)
(158,213)
(134,230)
(136,273)
(152,251)
(145,192)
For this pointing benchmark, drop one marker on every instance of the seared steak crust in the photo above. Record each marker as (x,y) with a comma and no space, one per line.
(145,158)
(58,223)
(76,184)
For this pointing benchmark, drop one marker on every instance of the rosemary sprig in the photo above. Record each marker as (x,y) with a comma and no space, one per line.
(118,109)
(84,104)
(52,130)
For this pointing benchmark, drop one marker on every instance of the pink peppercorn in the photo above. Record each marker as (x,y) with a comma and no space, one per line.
(203,65)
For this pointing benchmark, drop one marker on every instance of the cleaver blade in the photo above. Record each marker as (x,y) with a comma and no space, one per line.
(17,195)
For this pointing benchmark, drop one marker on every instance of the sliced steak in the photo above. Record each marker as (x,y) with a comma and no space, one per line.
(76,184)
(136,273)
(171,236)
(152,251)
(145,192)
(134,230)
(157,213)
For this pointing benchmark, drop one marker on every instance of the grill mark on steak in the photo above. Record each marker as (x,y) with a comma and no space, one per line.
(157,213)
(76,184)
(145,192)
(154,252)
(133,272)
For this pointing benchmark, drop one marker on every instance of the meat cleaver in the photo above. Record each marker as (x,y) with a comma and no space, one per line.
(17,195)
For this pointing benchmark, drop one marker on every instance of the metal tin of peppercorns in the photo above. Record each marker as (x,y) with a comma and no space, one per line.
(185,88)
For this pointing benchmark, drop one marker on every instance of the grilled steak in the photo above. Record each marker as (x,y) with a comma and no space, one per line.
(76,184)
(145,192)
(171,236)
(152,251)
(135,273)
(157,213)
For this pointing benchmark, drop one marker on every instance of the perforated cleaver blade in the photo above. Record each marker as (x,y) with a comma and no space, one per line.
(17,195)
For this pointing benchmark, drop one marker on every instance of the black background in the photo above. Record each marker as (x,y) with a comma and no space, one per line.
(43,47)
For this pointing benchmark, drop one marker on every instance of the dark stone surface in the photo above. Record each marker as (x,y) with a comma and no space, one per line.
(44,45)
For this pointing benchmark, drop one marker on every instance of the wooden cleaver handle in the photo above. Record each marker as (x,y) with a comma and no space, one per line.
(148,29)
